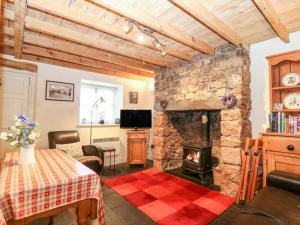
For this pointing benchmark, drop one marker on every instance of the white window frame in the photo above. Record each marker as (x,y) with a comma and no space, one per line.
(119,99)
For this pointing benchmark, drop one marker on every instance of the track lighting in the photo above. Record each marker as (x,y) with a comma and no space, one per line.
(128,26)
(163,52)
(141,38)
(156,43)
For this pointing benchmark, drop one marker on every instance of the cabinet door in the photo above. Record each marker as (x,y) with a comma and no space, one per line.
(137,151)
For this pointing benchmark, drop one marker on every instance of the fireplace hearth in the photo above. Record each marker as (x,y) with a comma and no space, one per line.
(199,85)
(197,159)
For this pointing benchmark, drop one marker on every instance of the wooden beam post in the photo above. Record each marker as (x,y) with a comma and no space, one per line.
(200,13)
(165,28)
(267,10)
(20,13)
(18,65)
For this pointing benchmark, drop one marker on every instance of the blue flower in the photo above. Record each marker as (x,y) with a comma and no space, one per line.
(23,117)
(31,124)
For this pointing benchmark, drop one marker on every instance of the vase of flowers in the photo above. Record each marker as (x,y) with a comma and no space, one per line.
(23,134)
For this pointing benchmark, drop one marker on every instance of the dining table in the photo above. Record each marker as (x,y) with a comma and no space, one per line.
(53,183)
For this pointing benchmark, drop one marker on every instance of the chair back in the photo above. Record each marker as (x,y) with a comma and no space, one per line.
(62,137)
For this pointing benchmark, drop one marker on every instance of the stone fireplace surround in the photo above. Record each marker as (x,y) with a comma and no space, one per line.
(200,85)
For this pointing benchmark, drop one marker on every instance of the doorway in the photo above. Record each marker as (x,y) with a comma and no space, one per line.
(17,95)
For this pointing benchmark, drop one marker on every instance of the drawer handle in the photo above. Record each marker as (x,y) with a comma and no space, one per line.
(290,147)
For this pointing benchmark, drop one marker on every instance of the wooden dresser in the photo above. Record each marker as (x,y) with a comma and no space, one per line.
(281,152)
(137,147)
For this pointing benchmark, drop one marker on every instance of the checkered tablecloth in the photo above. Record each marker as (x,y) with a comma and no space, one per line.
(55,180)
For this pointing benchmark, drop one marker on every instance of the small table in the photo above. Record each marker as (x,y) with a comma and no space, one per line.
(52,184)
(110,150)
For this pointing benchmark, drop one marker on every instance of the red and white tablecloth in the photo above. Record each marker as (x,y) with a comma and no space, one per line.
(55,180)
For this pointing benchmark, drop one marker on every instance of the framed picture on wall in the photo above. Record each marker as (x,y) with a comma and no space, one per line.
(133,97)
(59,91)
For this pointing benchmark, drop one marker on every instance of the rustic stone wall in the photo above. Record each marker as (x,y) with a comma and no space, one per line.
(202,79)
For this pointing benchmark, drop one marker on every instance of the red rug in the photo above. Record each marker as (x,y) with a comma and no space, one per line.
(170,200)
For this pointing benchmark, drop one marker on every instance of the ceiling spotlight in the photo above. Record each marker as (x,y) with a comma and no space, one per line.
(163,52)
(141,38)
(128,26)
(156,43)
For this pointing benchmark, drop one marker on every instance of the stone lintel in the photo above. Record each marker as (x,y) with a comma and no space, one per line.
(195,105)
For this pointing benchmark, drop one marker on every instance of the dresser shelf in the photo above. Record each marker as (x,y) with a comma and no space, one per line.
(285,88)
(281,134)
(279,66)
(287,110)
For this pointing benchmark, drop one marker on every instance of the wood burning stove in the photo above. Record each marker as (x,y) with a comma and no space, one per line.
(197,159)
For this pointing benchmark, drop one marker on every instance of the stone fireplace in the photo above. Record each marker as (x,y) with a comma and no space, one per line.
(196,87)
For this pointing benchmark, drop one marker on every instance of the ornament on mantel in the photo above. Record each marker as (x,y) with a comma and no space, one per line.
(163,103)
(229,100)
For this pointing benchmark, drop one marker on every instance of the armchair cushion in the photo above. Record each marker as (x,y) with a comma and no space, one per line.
(73,149)
(84,159)
(92,150)
(284,180)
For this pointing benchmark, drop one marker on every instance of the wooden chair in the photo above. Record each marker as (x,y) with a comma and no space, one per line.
(250,164)
(256,156)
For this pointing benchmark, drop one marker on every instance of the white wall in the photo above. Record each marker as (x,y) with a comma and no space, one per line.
(260,75)
(56,115)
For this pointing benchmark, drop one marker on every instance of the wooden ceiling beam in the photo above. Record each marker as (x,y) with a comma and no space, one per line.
(20,13)
(7,31)
(82,50)
(89,40)
(163,27)
(7,42)
(80,67)
(267,10)
(6,50)
(8,14)
(18,65)
(49,53)
(100,24)
(200,13)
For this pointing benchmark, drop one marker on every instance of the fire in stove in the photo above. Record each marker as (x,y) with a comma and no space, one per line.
(193,156)
(197,158)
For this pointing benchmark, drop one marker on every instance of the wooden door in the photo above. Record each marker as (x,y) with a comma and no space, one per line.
(16,96)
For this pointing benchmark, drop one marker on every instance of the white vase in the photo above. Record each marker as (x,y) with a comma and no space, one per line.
(27,155)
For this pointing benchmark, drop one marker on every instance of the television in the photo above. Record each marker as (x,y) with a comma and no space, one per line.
(135,119)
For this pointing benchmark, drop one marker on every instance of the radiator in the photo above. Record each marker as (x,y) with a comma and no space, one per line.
(108,142)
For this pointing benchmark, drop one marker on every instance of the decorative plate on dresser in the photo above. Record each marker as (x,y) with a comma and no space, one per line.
(290,79)
(292,101)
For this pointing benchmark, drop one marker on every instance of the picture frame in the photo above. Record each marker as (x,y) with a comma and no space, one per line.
(59,91)
(133,97)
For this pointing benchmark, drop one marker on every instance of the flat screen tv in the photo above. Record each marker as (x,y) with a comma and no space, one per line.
(135,119)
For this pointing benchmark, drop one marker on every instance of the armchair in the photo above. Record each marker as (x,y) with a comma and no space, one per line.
(68,137)
(276,204)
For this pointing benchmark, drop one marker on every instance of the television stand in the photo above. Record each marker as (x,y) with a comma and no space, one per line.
(137,147)
(136,129)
